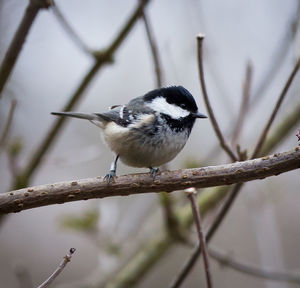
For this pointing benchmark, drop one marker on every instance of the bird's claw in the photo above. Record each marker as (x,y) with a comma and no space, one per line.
(154,172)
(110,177)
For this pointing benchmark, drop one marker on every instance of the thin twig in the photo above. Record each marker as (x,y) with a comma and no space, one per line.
(228,203)
(189,264)
(16,45)
(103,57)
(252,270)
(191,195)
(168,181)
(154,50)
(70,31)
(213,120)
(58,270)
(8,124)
(283,93)
(244,103)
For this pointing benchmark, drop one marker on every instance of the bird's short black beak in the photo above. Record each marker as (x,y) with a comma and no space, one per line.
(199,115)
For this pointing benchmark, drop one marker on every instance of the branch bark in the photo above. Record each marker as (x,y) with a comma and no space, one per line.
(49,194)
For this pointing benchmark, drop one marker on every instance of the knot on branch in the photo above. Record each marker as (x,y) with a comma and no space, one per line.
(103,56)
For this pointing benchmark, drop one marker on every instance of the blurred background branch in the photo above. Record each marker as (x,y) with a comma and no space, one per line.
(16,45)
(229,261)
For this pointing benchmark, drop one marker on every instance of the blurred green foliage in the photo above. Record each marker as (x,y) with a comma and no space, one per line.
(87,222)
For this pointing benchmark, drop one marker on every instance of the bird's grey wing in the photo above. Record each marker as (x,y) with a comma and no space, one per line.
(124,115)
(118,114)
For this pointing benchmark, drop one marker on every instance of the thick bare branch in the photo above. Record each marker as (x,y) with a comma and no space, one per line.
(84,189)
(58,270)
(210,111)
(15,47)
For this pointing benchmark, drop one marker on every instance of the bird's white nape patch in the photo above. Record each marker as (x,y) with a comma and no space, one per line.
(160,105)
(121,113)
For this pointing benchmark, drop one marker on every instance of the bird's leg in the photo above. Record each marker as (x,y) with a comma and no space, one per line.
(112,172)
(153,172)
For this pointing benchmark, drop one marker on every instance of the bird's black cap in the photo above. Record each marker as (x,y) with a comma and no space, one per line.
(177,95)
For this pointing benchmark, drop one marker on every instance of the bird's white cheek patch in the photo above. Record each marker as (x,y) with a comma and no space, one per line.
(160,105)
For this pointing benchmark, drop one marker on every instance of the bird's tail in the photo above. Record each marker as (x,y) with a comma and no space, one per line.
(75,115)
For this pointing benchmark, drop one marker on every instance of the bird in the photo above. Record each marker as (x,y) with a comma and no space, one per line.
(149,131)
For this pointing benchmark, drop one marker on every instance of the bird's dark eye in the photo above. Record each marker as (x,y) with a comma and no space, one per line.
(183,106)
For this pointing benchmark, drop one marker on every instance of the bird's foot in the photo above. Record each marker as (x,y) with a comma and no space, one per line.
(110,177)
(154,172)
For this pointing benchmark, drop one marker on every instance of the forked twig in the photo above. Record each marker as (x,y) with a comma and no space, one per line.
(213,120)
(191,192)
(222,213)
(58,270)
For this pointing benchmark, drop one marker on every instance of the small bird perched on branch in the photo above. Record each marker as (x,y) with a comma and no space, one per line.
(150,130)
